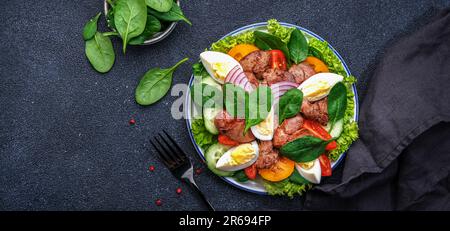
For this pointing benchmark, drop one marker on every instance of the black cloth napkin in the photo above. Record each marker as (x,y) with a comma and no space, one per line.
(402,159)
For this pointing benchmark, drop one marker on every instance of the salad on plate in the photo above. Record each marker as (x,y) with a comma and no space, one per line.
(275,108)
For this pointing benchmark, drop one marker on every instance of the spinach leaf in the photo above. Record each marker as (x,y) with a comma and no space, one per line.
(174,14)
(337,103)
(235,100)
(304,149)
(253,107)
(240,176)
(267,41)
(160,5)
(258,107)
(151,27)
(290,104)
(155,84)
(206,95)
(90,28)
(100,52)
(297,178)
(130,17)
(298,46)
(110,19)
(199,70)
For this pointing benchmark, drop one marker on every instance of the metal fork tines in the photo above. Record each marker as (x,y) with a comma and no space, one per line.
(176,160)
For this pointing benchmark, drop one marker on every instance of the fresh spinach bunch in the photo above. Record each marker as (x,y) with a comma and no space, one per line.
(134,21)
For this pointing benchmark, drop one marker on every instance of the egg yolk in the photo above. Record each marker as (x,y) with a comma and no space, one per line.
(316,89)
(220,70)
(242,154)
(307,165)
(266,126)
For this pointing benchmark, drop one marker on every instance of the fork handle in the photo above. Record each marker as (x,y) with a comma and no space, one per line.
(199,192)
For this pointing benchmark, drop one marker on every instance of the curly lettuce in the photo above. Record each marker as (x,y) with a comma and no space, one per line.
(202,137)
(321,50)
(224,45)
(285,188)
(274,27)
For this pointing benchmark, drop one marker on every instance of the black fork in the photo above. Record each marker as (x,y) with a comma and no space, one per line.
(176,160)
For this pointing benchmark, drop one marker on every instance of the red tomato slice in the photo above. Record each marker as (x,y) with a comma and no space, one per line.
(225,140)
(325,165)
(277,60)
(251,172)
(317,130)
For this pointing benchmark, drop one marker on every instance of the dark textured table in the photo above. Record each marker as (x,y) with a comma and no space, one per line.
(65,141)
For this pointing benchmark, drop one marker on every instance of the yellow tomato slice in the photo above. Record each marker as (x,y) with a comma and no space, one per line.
(240,51)
(317,64)
(278,172)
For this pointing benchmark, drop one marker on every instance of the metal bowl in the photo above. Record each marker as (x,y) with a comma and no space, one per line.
(159,36)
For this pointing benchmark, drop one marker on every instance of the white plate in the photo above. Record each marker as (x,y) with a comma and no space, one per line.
(256,186)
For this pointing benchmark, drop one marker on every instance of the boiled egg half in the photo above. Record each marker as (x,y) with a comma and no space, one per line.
(218,64)
(239,157)
(311,171)
(319,85)
(265,129)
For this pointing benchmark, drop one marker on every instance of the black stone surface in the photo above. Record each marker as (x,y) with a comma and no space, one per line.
(65,141)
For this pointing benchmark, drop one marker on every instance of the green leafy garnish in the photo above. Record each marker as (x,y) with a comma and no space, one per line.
(240,176)
(160,5)
(298,46)
(130,17)
(202,137)
(258,108)
(304,149)
(152,26)
(90,28)
(224,45)
(283,33)
(174,14)
(337,103)
(267,41)
(155,84)
(297,178)
(100,52)
(290,104)
(285,188)
(253,107)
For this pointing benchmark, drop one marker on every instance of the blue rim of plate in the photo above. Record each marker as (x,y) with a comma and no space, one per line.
(237,31)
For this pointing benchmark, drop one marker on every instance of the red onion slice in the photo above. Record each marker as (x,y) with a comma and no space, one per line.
(237,77)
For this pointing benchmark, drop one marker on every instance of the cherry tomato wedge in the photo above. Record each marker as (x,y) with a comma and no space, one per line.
(251,172)
(317,130)
(277,60)
(325,165)
(225,140)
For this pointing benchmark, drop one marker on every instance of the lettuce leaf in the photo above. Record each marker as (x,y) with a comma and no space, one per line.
(327,55)
(202,137)
(224,45)
(274,27)
(285,188)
